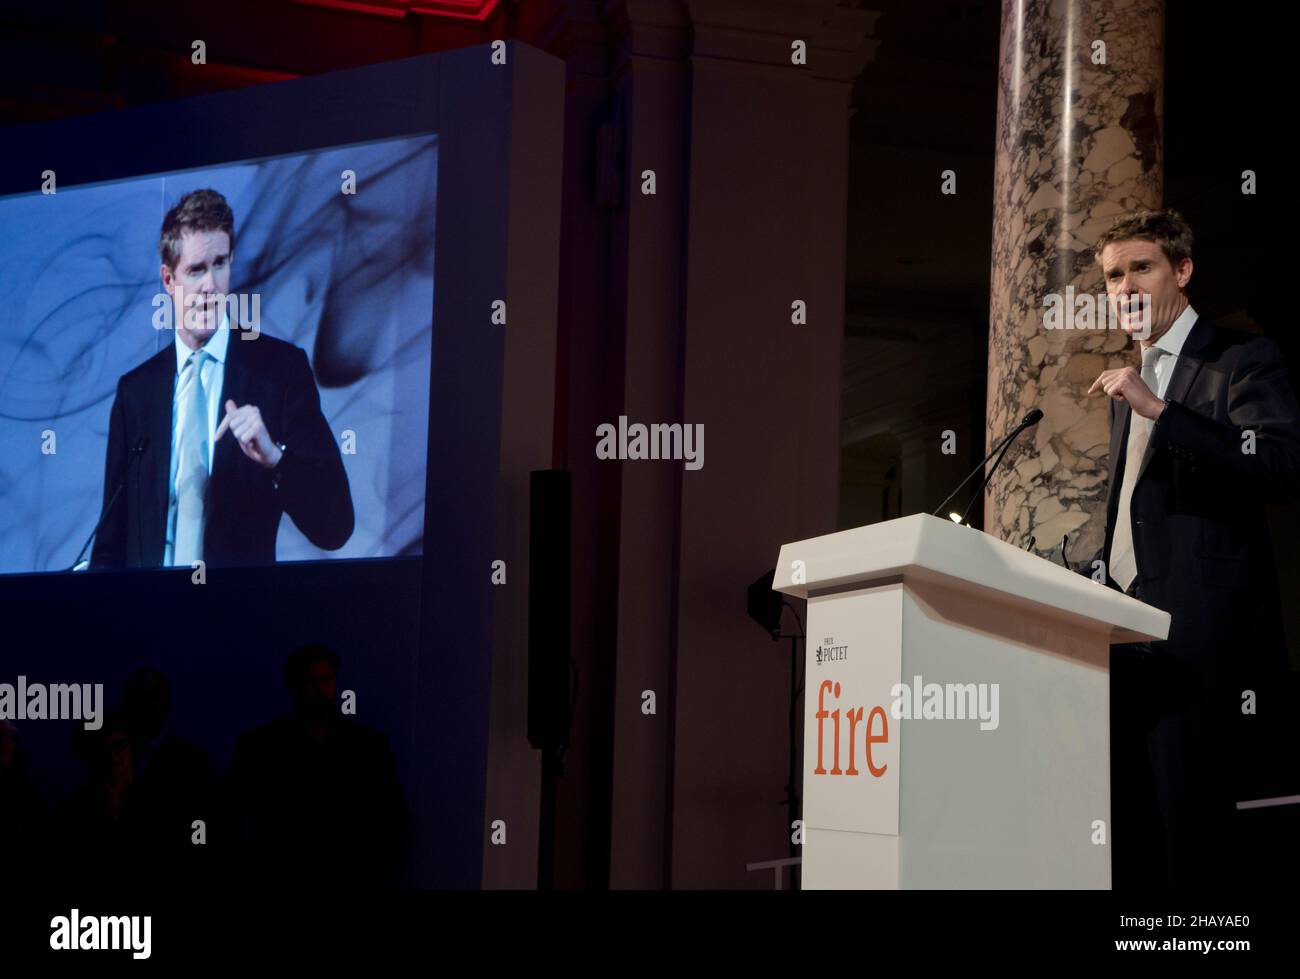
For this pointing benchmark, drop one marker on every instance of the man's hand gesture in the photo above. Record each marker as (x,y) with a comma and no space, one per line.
(247,426)
(1127,383)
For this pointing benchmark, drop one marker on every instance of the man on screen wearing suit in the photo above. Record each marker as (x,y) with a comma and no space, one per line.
(215,436)
(1202,437)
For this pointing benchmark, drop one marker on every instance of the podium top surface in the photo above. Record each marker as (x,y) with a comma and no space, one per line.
(925,548)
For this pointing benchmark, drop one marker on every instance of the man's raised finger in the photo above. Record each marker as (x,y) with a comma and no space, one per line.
(231,408)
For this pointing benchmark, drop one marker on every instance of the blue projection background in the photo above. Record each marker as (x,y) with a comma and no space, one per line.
(347,277)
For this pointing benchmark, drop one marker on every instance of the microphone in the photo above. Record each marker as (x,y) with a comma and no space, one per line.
(1032,418)
(135,452)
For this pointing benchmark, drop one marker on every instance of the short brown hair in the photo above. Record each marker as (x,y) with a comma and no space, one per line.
(1166,228)
(199,210)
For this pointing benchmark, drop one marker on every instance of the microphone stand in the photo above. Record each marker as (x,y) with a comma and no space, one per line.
(980,492)
(1023,424)
(137,450)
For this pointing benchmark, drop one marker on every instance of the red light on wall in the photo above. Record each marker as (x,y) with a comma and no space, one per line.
(477,11)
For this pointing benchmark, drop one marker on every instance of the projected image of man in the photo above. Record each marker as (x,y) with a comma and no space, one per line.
(217,435)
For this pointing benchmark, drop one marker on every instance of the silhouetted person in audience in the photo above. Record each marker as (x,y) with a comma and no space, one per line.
(173,783)
(317,793)
(22,809)
(95,827)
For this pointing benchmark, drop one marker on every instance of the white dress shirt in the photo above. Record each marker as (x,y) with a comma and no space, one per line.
(1172,343)
(212,376)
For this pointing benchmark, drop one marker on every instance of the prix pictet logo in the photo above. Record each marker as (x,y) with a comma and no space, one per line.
(875,731)
(828,652)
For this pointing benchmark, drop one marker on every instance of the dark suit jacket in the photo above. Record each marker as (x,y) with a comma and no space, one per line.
(294,815)
(1199,524)
(244,501)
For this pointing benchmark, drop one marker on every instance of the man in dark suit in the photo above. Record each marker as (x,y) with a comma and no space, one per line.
(316,797)
(1203,436)
(215,436)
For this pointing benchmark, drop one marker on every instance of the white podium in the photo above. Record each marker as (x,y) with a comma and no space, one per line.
(956,709)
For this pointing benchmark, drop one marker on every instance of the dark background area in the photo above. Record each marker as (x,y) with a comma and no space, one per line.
(917,268)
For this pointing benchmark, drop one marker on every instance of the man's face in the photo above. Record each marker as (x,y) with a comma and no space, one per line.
(202,273)
(1135,268)
(320,686)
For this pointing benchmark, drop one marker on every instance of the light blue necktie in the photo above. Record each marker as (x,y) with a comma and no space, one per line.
(191,462)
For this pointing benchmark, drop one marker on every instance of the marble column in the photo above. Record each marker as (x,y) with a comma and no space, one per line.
(1079,141)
